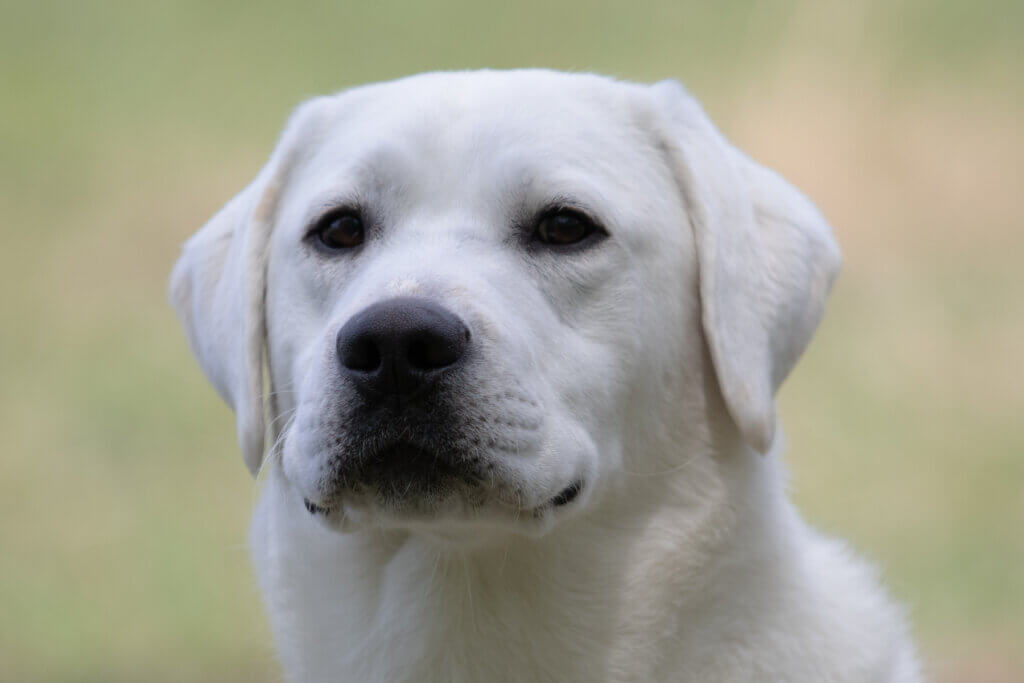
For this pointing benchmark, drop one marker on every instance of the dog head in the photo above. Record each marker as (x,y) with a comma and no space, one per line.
(477,296)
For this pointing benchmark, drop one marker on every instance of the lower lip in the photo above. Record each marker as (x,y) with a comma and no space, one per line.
(568,495)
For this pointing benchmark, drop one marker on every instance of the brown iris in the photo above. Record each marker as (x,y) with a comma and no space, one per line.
(564,227)
(340,230)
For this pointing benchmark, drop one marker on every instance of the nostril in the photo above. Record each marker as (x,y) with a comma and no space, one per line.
(430,350)
(361,354)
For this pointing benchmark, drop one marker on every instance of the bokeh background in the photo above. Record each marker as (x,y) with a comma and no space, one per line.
(124,125)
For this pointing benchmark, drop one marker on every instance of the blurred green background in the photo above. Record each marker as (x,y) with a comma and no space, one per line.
(123,499)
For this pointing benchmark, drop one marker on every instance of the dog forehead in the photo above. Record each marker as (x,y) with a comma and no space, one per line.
(480,120)
(486,144)
(476,97)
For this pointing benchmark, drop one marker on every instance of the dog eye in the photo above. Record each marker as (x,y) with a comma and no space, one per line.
(339,230)
(564,226)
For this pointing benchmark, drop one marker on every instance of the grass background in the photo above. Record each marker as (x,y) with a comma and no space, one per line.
(124,125)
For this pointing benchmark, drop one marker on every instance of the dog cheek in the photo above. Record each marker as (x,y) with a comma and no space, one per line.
(303,448)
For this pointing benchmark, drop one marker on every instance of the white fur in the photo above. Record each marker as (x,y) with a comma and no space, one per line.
(644,366)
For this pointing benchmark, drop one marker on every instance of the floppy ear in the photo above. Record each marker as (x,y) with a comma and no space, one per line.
(218,288)
(766,260)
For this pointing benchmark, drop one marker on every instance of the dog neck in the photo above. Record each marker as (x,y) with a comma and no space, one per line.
(588,598)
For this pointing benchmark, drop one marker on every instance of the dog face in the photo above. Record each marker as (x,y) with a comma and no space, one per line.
(471,289)
(498,230)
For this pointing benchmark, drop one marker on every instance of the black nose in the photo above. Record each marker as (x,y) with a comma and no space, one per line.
(399,345)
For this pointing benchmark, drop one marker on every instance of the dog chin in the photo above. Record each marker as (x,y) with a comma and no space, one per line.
(457,518)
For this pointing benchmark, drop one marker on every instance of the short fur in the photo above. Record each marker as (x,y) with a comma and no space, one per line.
(643,366)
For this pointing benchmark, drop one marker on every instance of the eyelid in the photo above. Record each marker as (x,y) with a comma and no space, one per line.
(559,205)
(338,209)
(569,206)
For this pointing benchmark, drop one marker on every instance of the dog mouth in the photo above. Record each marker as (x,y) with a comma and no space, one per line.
(405,470)
(567,495)
(564,498)
(315,509)
(403,476)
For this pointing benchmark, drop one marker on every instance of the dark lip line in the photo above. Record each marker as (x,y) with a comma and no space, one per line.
(313,508)
(567,495)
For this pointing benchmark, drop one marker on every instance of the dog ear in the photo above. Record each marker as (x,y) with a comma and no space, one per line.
(766,260)
(218,288)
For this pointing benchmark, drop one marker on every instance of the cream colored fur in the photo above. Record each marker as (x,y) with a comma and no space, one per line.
(645,366)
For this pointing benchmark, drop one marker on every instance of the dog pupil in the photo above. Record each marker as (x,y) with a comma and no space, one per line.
(343,231)
(565,228)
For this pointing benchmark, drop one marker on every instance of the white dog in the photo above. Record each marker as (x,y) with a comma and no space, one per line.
(522,333)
